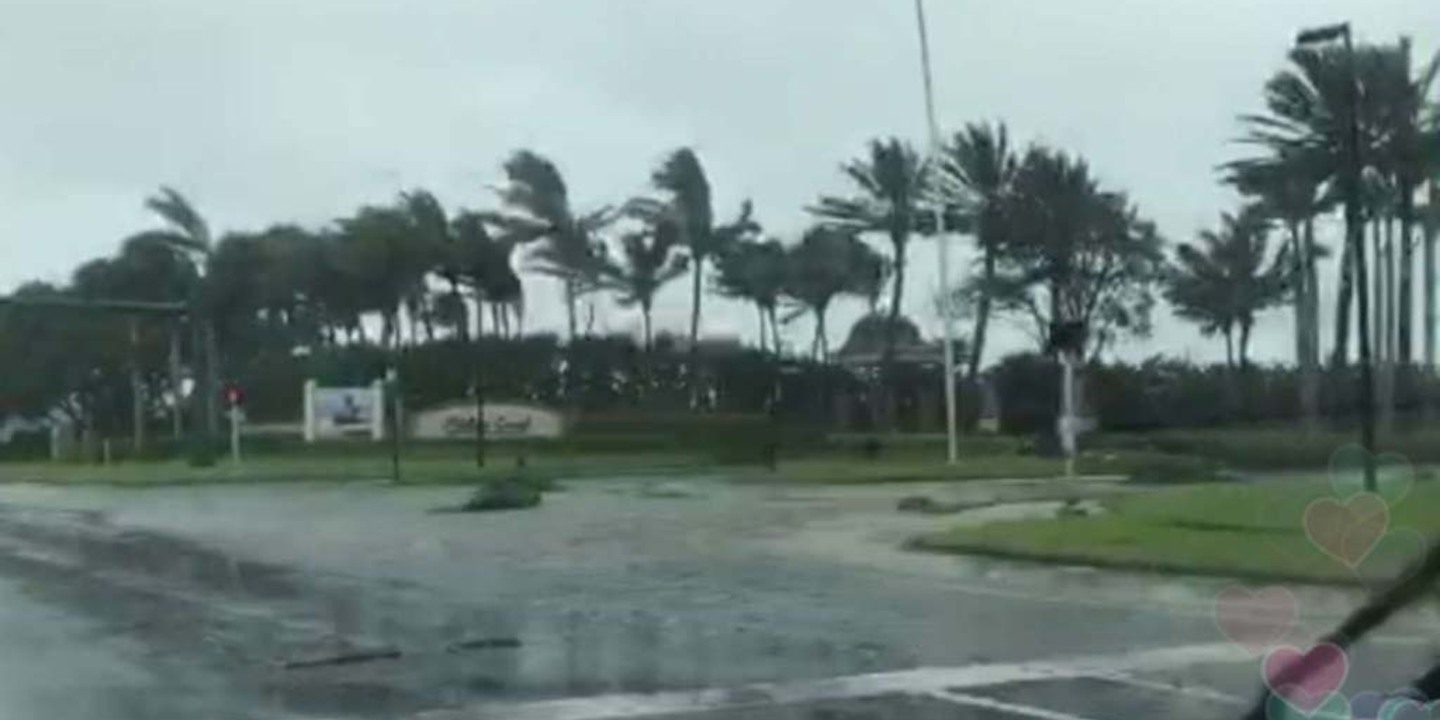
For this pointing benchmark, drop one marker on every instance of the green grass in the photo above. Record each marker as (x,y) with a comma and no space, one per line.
(1231,530)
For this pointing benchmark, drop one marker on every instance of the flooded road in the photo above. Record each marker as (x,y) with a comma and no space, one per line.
(359,601)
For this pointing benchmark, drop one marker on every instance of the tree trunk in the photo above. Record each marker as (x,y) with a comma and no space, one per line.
(645,321)
(1387,299)
(1244,348)
(477,379)
(177,424)
(1344,302)
(693,362)
(887,356)
(760,314)
(1431,227)
(570,299)
(1310,361)
(774,330)
(463,322)
(1405,352)
(211,386)
(137,393)
(1229,350)
(982,318)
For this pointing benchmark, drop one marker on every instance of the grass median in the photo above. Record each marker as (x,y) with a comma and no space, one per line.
(1253,531)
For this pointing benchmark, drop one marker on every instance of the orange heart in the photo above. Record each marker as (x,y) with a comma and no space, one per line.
(1347,531)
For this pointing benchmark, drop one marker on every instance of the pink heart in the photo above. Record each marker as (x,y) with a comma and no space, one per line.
(1255,619)
(1305,679)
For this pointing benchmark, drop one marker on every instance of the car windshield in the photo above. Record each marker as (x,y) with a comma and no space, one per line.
(702,360)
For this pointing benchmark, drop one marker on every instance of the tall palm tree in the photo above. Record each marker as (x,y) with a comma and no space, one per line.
(686,202)
(649,259)
(892,183)
(1307,121)
(981,167)
(1227,279)
(188,235)
(755,272)
(827,263)
(1289,190)
(568,246)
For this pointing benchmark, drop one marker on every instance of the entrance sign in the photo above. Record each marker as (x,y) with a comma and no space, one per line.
(503,421)
(344,411)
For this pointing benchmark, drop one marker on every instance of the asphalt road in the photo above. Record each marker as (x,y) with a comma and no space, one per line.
(613,600)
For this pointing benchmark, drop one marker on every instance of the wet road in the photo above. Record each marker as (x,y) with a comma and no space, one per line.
(357,601)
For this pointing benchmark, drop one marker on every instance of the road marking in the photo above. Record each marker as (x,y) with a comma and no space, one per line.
(924,681)
(1196,691)
(989,704)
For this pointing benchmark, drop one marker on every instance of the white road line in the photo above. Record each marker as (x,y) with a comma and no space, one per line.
(917,681)
(1196,691)
(1005,707)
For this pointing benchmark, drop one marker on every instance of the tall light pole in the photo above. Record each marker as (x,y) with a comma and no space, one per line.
(1354,235)
(952,447)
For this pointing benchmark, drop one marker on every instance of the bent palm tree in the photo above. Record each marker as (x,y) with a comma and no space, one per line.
(188,235)
(892,181)
(982,168)
(568,250)
(649,259)
(755,272)
(828,262)
(1225,280)
(686,203)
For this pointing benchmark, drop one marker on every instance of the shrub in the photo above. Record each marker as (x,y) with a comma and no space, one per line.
(516,492)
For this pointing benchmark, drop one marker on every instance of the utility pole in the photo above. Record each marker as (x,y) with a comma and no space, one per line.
(952,442)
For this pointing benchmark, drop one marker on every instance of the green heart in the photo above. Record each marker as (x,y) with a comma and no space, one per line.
(1335,707)
(1394,475)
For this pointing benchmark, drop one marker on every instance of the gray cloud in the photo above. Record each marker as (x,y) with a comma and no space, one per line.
(266,110)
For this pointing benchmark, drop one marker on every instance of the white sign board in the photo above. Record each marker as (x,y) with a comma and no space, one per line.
(503,421)
(342,412)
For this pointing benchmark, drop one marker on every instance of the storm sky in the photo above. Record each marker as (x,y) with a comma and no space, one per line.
(265,111)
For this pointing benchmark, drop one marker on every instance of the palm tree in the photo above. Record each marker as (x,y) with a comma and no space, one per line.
(755,272)
(568,248)
(1225,280)
(1307,121)
(827,263)
(1289,190)
(892,181)
(649,259)
(686,203)
(188,235)
(982,168)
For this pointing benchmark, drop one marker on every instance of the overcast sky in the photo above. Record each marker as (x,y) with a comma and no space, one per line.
(299,110)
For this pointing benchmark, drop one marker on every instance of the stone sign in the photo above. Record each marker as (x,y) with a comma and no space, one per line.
(503,421)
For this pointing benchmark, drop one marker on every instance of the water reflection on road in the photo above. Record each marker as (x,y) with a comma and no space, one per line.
(355,601)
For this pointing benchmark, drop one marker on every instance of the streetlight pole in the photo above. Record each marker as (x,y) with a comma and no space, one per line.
(942,242)
(1355,237)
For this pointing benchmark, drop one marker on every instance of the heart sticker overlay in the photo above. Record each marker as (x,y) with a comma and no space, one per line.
(1334,707)
(1396,556)
(1308,679)
(1403,708)
(1366,705)
(1347,530)
(1258,619)
(1394,474)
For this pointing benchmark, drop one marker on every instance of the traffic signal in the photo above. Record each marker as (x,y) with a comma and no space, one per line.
(234,395)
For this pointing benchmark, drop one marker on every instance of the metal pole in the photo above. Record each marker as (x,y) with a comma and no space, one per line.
(943,243)
(235,434)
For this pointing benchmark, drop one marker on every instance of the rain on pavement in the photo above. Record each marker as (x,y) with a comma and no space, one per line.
(616,599)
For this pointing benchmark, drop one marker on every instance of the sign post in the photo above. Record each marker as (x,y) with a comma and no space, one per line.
(234,398)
